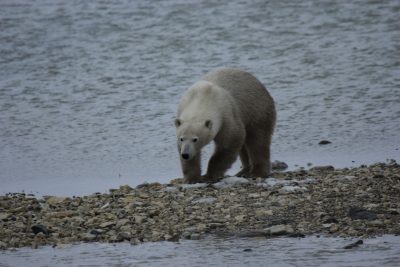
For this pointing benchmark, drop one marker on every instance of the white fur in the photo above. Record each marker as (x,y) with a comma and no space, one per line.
(202,102)
(233,109)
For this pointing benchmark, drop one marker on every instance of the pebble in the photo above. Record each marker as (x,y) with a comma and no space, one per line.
(279,165)
(278,230)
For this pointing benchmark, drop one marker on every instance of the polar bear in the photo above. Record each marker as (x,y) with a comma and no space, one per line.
(233,109)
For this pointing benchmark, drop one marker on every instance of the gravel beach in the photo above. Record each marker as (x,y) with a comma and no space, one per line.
(361,202)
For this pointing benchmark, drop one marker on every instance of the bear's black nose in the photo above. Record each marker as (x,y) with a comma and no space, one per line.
(185,156)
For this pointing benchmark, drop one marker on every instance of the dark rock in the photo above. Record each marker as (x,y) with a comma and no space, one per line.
(96,232)
(322,168)
(331,220)
(296,235)
(279,165)
(142,185)
(394,212)
(247,250)
(357,213)
(354,245)
(40,228)
(324,142)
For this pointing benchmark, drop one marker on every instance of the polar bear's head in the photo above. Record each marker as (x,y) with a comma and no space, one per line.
(192,137)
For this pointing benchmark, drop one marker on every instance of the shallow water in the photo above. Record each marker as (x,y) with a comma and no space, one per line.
(88,90)
(310,251)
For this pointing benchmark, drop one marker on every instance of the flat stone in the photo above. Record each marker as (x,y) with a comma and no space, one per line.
(293,189)
(4,216)
(377,223)
(107,224)
(264,213)
(122,222)
(231,181)
(278,230)
(204,200)
(139,219)
(271,182)
(61,214)
(194,186)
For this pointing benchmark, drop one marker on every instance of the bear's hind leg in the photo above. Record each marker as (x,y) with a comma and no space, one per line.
(244,158)
(259,155)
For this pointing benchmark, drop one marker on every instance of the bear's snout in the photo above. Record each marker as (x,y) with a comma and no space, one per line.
(185,156)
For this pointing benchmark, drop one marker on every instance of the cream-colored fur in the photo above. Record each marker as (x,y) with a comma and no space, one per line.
(234,109)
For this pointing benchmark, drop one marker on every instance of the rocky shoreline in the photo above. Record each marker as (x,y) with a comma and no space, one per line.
(362,202)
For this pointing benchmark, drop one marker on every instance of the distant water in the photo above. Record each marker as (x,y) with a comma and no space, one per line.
(310,251)
(89,89)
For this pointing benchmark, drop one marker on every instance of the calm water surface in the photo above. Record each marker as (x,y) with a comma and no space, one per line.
(310,251)
(89,89)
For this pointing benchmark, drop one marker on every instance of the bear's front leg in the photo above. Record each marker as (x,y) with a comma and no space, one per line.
(191,170)
(220,162)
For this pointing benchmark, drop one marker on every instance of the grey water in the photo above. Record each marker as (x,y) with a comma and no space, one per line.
(89,89)
(310,251)
(88,95)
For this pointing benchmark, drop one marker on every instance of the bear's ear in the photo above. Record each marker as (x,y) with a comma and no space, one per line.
(208,124)
(177,123)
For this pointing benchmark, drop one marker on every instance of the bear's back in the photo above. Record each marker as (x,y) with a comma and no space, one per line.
(252,98)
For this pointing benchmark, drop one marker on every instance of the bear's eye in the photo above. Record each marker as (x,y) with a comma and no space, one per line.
(181,139)
(195,140)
